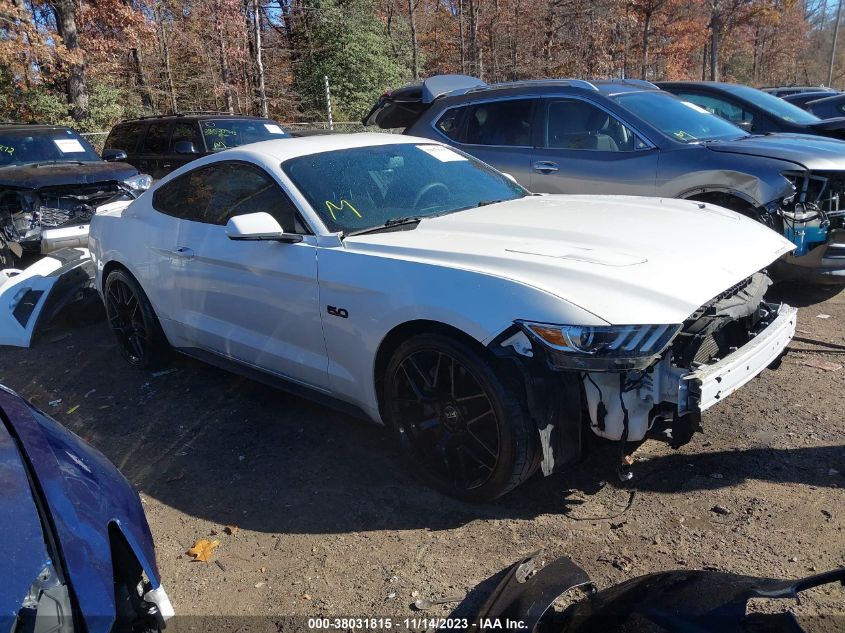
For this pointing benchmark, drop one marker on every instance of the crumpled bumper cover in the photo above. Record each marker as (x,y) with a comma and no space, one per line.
(31,297)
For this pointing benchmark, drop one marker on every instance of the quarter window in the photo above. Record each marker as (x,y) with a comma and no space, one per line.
(217,192)
(124,137)
(576,124)
(728,110)
(500,123)
(450,123)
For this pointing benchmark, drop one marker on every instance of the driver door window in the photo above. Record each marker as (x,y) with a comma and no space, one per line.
(576,124)
(217,192)
(723,108)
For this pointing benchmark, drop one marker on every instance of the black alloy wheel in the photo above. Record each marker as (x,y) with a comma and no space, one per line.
(463,430)
(133,321)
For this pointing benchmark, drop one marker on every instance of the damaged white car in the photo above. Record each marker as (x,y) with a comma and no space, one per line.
(408,282)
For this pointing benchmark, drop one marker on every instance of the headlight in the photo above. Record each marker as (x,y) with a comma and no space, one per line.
(141,182)
(609,348)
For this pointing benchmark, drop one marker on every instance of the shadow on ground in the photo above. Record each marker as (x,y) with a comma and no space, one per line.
(222,448)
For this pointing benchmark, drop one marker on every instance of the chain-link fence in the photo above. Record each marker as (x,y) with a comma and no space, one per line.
(97,139)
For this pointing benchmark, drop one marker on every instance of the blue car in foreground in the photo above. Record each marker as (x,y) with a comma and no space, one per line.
(76,552)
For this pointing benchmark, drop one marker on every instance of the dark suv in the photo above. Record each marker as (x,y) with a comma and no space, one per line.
(51,182)
(158,145)
(753,110)
(629,137)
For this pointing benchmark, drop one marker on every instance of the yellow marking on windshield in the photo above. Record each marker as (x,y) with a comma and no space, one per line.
(332,207)
(7,149)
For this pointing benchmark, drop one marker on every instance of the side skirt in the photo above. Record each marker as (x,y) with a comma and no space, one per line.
(275,381)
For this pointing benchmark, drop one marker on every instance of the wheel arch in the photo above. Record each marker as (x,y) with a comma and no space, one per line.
(724,197)
(402,332)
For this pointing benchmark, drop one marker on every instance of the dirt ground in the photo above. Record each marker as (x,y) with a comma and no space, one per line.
(328,522)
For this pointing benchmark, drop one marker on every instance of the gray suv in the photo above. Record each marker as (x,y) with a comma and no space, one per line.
(629,137)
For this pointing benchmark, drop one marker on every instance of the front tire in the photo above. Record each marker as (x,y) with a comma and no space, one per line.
(458,420)
(133,321)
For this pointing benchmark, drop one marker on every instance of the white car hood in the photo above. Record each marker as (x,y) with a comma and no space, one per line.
(628,260)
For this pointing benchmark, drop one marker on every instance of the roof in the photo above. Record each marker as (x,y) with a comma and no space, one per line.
(284,149)
(33,126)
(195,115)
(603,86)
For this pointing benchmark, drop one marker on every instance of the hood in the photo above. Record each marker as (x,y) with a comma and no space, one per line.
(836,124)
(84,495)
(22,550)
(807,151)
(628,260)
(58,174)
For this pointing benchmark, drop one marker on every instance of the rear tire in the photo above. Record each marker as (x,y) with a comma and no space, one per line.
(134,322)
(458,420)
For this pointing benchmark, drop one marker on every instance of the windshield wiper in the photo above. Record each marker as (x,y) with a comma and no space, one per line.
(390,224)
(484,203)
(54,162)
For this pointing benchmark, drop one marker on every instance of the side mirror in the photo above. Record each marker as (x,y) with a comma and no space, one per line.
(114,155)
(184,147)
(744,125)
(259,226)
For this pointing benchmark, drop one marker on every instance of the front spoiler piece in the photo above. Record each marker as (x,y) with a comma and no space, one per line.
(31,297)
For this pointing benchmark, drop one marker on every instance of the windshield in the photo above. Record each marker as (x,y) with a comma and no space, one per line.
(679,120)
(364,187)
(773,105)
(222,134)
(38,145)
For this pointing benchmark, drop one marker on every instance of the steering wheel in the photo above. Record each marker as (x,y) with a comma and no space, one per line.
(422,193)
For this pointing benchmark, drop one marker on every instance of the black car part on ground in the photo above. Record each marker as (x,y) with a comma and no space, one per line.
(671,602)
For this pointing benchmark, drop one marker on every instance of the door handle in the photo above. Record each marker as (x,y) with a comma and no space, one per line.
(545,166)
(184,252)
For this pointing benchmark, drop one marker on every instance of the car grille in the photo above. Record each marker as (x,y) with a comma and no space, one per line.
(721,325)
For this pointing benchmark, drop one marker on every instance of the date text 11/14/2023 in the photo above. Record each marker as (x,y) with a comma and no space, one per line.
(415,624)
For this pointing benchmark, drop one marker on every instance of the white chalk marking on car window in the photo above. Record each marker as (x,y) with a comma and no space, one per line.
(443,154)
(69,146)
(273,128)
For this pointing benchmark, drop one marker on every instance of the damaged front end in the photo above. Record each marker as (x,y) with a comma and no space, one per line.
(49,218)
(527,600)
(631,376)
(812,218)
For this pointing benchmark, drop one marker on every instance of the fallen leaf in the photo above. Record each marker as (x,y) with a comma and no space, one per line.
(231,529)
(262,569)
(822,316)
(203,550)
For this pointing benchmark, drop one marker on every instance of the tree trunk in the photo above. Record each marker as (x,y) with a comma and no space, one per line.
(77,94)
(165,53)
(646,29)
(412,21)
(463,42)
(224,61)
(259,59)
(141,79)
(715,27)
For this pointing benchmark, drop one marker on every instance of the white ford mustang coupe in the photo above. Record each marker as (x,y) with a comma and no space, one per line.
(403,280)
